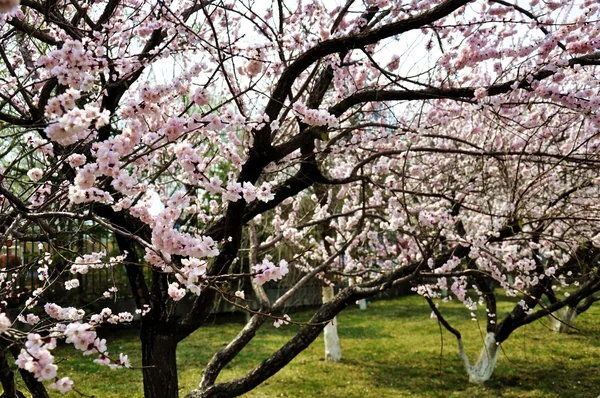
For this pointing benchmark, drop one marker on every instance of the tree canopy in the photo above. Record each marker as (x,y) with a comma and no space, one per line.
(446,145)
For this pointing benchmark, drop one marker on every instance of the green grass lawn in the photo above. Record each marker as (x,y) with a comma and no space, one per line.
(391,350)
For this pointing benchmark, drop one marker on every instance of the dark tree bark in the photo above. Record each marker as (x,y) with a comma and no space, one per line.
(35,387)
(160,363)
(305,336)
(158,337)
(7,378)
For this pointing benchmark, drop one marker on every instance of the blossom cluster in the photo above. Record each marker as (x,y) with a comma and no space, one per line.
(268,271)
(284,320)
(191,274)
(170,241)
(82,264)
(5,323)
(8,6)
(30,319)
(41,145)
(67,313)
(315,117)
(36,357)
(234,191)
(71,64)
(106,315)
(76,124)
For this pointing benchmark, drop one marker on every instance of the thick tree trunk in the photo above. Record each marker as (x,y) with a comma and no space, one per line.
(7,377)
(160,364)
(36,388)
(333,349)
(564,319)
(482,370)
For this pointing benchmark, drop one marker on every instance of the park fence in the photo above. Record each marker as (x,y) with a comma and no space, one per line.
(22,260)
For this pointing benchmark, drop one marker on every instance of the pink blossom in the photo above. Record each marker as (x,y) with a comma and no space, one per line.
(248,191)
(30,319)
(254,67)
(122,362)
(5,323)
(267,271)
(264,193)
(35,174)
(201,97)
(480,93)
(8,6)
(214,185)
(63,385)
(76,160)
(175,292)
(233,191)
(71,284)
(285,320)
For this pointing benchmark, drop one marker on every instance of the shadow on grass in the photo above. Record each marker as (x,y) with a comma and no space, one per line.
(390,350)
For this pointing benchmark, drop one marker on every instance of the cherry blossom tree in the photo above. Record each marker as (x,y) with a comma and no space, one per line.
(446,145)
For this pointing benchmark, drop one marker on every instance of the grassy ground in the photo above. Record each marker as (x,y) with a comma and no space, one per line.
(391,350)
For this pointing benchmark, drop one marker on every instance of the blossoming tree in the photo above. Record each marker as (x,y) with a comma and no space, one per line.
(449,145)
